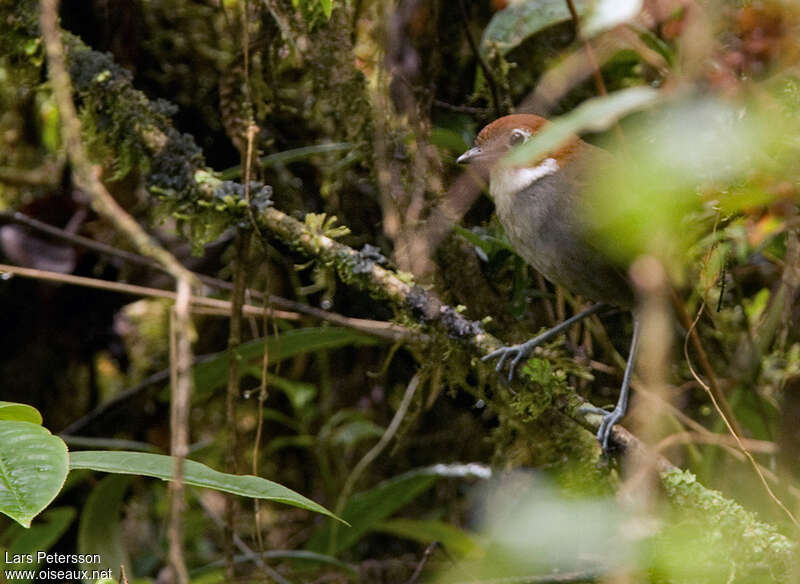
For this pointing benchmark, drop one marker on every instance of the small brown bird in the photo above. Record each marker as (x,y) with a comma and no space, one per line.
(542,209)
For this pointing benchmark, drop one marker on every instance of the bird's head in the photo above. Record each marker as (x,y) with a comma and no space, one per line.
(495,140)
(503,135)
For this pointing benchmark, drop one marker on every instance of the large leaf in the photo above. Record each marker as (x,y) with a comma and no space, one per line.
(23,544)
(213,371)
(20,413)
(365,510)
(521,20)
(33,467)
(195,474)
(99,531)
(595,115)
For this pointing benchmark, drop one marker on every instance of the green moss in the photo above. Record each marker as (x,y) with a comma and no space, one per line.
(723,525)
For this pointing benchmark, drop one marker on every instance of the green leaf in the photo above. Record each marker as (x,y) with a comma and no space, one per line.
(448,139)
(212,373)
(99,531)
(512,26)
(456,540)
(20,413)
(281,442)
(365,510)
(327,7)
(489,245)
(606,14)
(595,115)
(353,432)
(289,156)
(196,474)
(41,536)
(33,467)
(300,394)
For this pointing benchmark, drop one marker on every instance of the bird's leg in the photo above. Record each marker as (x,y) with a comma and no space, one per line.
(615,415)
(523,350)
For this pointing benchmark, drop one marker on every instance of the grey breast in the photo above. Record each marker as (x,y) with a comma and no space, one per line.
(545,227)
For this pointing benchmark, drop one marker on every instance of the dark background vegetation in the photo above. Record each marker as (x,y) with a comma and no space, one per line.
(388,94)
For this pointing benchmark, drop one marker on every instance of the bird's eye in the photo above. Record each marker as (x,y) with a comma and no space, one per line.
(516,138)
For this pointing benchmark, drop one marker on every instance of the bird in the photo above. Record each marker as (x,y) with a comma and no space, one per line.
(543,210)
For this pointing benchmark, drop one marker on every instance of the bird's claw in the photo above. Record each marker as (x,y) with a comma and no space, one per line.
(519,353)
(606,425)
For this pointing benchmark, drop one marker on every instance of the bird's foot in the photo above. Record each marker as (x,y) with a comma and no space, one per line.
(517,354)
(606,424)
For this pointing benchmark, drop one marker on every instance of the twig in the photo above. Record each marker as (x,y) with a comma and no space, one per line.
(385,330)
(46,175)
(374,452)
(390,331)
(220,306)
(262,398)
(181,382)
(762,446)
(87,178)
(232,394)
(423,561)
(22,219)
(487,73)
(705,364)
(243,547)
(597,74)
(729,425)
(464,109)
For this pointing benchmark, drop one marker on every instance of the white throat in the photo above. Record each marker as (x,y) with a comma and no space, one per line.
(505,181)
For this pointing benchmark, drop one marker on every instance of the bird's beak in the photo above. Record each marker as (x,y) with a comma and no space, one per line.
(470,155)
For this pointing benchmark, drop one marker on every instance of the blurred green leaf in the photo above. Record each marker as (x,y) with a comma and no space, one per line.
(50,123)
(195,474)
(40,536)
(648,200)
(327,7)
(20,413)
(447,139)
(528,527)
(281,442)
(33,470)
(484,242)
(299,393)
(99,531)
(521,20)
(595,115)
(456,540)
(108,443)
(353,432)
(363,511)
(212,372)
